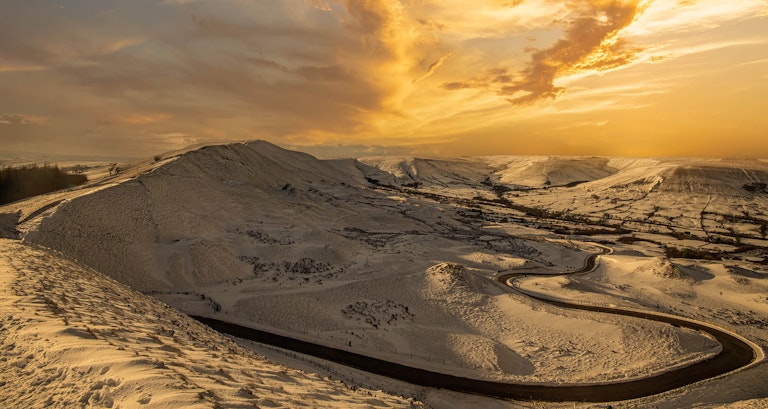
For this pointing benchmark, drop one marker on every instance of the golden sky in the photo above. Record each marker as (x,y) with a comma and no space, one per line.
(427,77)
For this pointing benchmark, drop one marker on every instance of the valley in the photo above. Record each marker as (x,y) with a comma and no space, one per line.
(398,259)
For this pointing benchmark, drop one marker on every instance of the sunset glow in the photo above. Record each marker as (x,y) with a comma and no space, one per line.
(581,77)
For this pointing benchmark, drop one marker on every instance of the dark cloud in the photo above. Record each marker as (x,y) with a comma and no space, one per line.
(19,132)
(311,73)
(368,16)
(266,63)
(432,24)
(18,120)
(335,151)
(453,86)
(488,80)
(329,74)
(377,24)
(221,68)
(262,32)
(16,50)
(218,66)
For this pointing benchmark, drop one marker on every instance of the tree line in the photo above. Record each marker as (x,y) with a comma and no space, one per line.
(17,183)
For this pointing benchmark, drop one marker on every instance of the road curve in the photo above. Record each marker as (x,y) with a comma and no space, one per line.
(735,354)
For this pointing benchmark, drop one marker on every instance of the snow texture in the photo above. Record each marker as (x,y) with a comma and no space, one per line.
(70,337)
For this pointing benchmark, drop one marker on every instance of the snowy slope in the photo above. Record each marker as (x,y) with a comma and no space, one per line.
(552,171)
(73,338)
(724,178)
(280,240)
(441,172)
(729,177)
(178,223)
(395,257)
(720,201)
(698,176)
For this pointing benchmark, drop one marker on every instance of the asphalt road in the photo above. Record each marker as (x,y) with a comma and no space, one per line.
(735,354)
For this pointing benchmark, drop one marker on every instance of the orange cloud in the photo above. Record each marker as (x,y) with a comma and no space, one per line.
(432,68)
(369,71)
(591,42)
(142,118)
(394,42)
(21,120)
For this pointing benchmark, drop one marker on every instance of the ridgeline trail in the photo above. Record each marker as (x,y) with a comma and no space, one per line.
(735,353)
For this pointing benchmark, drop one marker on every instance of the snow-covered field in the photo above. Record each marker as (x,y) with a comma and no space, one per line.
(396,257)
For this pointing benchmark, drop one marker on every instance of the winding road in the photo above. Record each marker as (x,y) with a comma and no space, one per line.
(736,353)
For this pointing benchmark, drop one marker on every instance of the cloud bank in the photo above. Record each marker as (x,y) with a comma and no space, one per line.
(149,76)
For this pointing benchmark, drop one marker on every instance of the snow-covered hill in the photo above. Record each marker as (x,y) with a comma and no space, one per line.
(551,171)
(186,223)
(440,172)
(395,257)
(71,337)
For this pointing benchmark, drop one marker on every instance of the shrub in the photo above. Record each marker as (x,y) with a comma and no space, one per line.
(757,187)
(673,252)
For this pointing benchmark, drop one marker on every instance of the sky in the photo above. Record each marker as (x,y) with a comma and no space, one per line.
(421,77)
